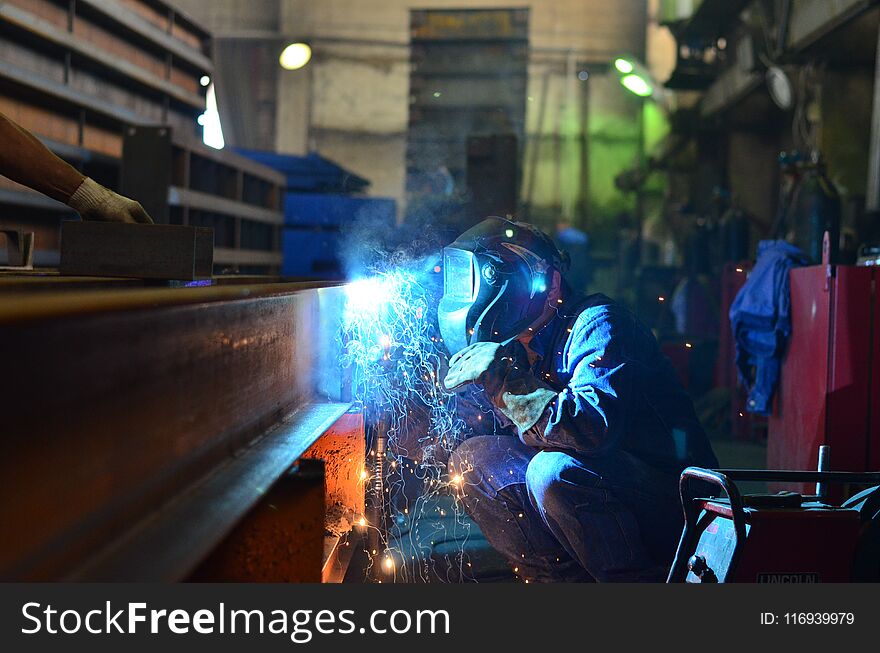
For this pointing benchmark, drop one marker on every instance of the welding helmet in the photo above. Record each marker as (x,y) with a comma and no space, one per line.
(496,281)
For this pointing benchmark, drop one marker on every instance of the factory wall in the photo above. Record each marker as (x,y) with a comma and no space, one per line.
(246,43)
(351,102)
(358,110)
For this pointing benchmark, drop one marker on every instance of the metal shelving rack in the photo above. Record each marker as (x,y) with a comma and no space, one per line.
(180,181)
(81,73)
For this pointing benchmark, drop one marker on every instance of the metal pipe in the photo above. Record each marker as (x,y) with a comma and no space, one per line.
(788,476)
(872,191)
(585,152)
(377,534)
(537,141)
(824,465)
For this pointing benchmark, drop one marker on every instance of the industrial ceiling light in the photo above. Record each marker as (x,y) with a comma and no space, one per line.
(637,79)
(295,56)
(623,66)
(779,85)
(637,85)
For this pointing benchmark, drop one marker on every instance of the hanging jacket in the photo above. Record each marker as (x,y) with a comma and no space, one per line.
(760,318)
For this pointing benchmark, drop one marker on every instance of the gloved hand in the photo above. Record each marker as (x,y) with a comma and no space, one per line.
(95,202)
(503,371)
(484,363)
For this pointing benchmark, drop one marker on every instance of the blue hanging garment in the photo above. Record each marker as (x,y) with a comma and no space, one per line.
(760,318)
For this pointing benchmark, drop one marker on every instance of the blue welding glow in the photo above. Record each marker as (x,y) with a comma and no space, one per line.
(366,297)
(392,346)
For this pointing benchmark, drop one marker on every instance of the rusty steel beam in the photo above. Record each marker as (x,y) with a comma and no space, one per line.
(342,448)
(118,403)
(284,536)
(281,540)
(168,544)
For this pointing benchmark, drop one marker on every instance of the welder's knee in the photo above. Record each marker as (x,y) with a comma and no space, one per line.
(465,468)
(488,464)
(545,481)
(470,454)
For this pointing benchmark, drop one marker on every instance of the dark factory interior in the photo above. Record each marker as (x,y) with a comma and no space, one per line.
(440,291)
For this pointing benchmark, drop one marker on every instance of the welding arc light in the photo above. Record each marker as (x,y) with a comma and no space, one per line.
(366,297)
(295,56)
(637,85)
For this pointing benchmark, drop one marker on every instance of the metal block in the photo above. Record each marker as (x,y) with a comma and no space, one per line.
(108,249)
(169,543)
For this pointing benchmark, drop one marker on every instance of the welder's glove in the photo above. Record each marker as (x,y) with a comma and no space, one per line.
(485,363)
(503,371)
(95,202)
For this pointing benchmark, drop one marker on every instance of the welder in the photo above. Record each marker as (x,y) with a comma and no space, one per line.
(579,479)
(24,159)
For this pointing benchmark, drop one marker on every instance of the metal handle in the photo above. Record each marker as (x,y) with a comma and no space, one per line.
(823,466)
(721,479)
(689,537)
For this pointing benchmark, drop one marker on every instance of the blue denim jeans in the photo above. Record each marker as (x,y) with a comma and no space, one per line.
(561,517)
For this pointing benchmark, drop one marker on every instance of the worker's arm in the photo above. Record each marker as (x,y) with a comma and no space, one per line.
(586,415)
(24,159)
(27,161)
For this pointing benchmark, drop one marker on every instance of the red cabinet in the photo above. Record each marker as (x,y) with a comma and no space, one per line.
(830,378)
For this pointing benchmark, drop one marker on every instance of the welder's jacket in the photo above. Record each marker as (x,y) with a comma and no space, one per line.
(600,383)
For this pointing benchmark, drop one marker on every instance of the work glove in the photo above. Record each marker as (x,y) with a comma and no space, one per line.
(484,363)
(503,371)
(95,202)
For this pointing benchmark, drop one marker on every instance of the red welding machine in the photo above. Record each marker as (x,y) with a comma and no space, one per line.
(777,538)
